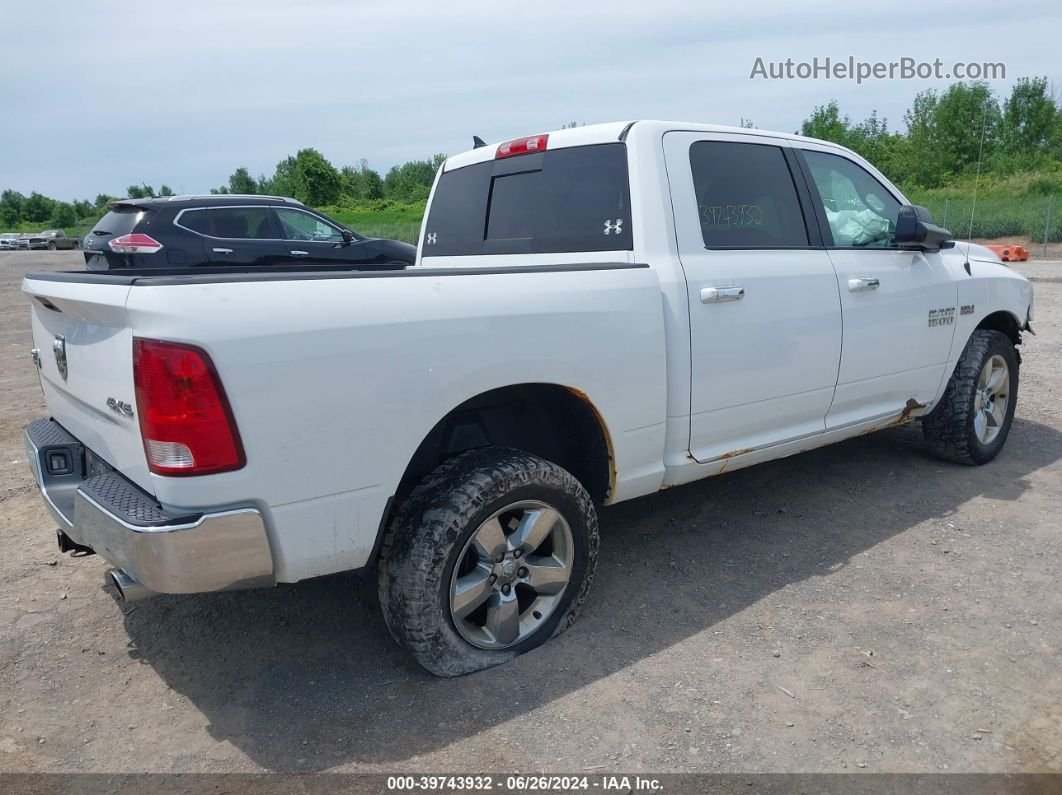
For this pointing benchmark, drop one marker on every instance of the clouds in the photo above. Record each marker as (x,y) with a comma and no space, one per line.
(111,93)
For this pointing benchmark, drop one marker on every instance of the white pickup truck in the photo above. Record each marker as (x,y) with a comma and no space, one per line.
(594,315)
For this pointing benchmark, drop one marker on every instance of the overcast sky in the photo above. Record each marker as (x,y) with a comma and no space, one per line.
(98,94)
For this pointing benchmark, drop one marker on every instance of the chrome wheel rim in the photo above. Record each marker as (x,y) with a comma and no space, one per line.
(511,575)
(991,399)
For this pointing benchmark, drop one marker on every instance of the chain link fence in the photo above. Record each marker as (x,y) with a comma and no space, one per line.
(1036,218)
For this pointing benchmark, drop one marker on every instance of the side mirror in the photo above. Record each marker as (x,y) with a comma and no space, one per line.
(915,229)
(348,236)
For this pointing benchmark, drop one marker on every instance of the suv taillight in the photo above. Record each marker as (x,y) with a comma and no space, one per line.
(185,418)
(134,243)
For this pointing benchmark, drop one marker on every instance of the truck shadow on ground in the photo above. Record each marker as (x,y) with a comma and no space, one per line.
(306,677)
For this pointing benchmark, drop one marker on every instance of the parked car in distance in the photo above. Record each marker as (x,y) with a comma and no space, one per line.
(51,240)
(9,241)
(595,314)
(231,229)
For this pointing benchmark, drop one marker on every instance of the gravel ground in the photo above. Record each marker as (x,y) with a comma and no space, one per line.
(861,607)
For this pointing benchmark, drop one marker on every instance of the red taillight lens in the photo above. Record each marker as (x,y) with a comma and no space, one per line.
(522,146)
(185,419)
(135,243)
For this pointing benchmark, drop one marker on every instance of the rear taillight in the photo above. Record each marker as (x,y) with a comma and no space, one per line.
(134,243)
(522,146)
(185,418)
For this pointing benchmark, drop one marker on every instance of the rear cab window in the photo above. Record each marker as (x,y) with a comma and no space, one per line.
(573,199)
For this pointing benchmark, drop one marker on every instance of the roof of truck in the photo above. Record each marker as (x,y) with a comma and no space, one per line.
(618,131)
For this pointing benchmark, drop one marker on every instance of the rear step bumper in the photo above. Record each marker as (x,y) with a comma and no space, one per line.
(162,551)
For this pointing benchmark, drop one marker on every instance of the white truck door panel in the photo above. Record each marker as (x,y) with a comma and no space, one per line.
(897,336)
(765,323)
(899,306)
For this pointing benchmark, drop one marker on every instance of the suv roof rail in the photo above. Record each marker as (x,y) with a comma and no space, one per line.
(186,196)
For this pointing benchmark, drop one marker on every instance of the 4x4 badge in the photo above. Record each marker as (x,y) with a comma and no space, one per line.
(59,349)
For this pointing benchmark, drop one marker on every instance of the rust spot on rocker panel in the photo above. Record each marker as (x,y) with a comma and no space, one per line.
(725,458)
(734,453)
(911,410)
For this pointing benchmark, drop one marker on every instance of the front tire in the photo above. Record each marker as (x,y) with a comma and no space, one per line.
(51,246)
(973,419)
(489,557)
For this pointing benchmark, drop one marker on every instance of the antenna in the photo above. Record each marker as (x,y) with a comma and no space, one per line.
(977,178)
(477,142)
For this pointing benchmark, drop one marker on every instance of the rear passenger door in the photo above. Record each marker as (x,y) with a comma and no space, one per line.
(236,235)
(765,317)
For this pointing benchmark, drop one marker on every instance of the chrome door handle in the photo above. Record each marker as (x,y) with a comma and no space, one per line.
(300,253)
(223,251)
(719,295)
(862,284)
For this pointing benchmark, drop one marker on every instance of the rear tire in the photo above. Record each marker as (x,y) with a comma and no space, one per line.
(971,423)
(471,569)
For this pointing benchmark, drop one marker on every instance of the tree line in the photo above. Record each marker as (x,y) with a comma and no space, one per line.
(948,135)
(307,176)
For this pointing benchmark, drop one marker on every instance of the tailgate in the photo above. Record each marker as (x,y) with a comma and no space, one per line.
(81,328)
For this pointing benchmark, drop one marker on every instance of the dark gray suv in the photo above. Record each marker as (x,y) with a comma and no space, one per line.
(228,229)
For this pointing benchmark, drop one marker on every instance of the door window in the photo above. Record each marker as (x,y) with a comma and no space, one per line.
(745,196)
(234,223)
(297,225)
(859,210)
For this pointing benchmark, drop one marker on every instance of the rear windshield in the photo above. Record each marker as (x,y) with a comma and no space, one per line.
(563,200)
(120,221)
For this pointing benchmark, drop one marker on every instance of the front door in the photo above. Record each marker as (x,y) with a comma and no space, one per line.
(899,305)
(765,317)
(313,240)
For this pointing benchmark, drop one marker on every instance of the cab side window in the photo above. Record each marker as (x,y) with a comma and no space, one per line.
(859,210)
(745,196)
(298,225)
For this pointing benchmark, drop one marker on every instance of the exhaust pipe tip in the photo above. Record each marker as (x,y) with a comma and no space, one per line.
(129,590)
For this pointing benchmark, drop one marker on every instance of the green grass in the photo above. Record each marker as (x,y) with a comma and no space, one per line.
(381,219)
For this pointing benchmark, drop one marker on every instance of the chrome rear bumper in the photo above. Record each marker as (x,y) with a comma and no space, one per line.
(96,507)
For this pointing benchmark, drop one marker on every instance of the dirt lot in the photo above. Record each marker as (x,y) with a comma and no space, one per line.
(862,607)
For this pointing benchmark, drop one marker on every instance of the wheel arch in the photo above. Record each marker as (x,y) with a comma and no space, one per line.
(556,422)
(1003,321)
